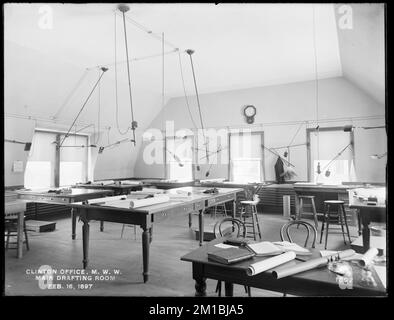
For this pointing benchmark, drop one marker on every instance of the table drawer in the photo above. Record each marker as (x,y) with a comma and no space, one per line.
(220,199)
(160,216)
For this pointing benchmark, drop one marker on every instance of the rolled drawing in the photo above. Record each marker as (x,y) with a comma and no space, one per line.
(270,263)
(103,183)
(105,200)
(311,264)
(131,182)
(149,201)
(368,257)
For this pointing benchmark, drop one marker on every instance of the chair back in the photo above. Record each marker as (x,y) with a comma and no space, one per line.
(229,226)
(309,228)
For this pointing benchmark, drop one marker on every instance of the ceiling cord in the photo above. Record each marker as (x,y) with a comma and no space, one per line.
(133,123)
(116,89)
(184,89)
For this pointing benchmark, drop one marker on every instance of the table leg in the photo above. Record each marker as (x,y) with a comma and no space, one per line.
(145,252)
(190,220)
(150,234)
(101,226)
(234,207)
(20,234)
(297,207)
(201,226)
(200,287)
(228,289)
(359,222)
(365,221)
(85,242)
(73,224)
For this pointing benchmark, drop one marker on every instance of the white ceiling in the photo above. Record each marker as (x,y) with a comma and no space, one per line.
(236,45)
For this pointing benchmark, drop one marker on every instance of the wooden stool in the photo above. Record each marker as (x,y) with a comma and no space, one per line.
(301,207)
(11,227)
(220,209)
(252,215)
(340,215)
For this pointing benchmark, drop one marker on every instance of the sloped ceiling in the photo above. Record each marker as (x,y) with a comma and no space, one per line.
(236,45)
(362,48)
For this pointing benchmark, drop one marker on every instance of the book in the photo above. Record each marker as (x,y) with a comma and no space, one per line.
(291,246)
(230,255)
(264,248)
(267,248)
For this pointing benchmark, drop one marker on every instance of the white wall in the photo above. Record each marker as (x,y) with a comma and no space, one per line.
(362,47)
(338,98)
(37,84)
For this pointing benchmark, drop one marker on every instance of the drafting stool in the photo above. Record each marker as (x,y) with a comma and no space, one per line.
(129,225)
(301,207)
(249,216)
(220,209)
(11,228)
(331,216)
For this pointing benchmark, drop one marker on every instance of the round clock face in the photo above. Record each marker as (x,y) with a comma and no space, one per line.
(250,111)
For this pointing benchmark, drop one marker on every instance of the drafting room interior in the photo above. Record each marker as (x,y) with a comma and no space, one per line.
(132,131)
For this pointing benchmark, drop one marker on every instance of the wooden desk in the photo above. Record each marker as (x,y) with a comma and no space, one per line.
(76,195)
(146,216)
(316,282)
(16,207)
(367,213)
(117,188)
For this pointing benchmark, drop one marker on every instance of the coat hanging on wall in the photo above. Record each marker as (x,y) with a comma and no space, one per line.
(279,171)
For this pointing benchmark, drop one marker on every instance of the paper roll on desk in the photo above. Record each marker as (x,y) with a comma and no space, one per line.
(105,200)
(368,257)
(103,183)
(311,264)
(270,263)
(149,201)
(131,182)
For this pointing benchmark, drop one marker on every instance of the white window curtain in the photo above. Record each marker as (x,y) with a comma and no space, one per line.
(325,146)
(179,158)
(246,157)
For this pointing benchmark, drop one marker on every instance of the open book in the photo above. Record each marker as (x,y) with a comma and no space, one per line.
(267,248)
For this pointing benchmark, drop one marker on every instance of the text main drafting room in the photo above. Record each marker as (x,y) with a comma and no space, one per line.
(195,149)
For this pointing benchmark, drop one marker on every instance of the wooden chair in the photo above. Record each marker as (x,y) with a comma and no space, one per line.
(235,227)
(285,229)
(250,217)
(129,225)
(301,208)
(11,230)
(308,226)
(331,217)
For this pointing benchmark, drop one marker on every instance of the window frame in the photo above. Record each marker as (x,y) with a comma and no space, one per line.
(324,129)
(57,134)
(262,164)
(166,165)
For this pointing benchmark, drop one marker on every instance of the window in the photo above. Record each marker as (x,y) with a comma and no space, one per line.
(48,167)
(73,160)
(331,149)
(246,157)
(179,158)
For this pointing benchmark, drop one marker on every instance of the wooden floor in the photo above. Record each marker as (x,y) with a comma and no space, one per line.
(169,276)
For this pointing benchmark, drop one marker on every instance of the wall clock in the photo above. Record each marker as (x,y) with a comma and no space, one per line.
(249,113)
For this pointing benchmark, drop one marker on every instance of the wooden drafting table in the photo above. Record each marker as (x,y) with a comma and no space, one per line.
(315,282)
(118,188)
(368,212)
(119,211)
(75,195)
